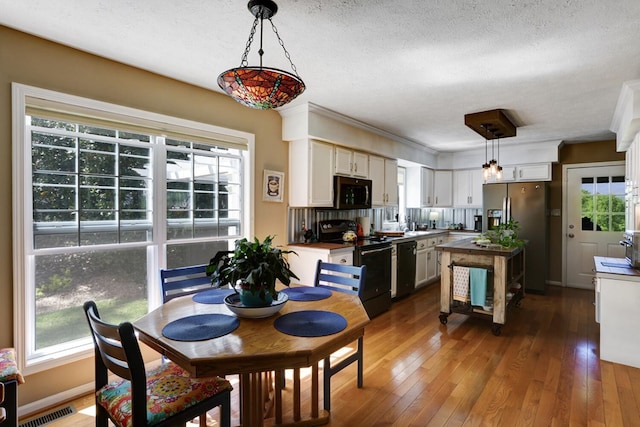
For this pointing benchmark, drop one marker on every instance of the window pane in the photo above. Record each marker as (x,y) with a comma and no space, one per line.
(116,280)
(181,255)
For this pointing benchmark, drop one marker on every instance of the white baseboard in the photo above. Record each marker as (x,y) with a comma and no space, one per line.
(54,400)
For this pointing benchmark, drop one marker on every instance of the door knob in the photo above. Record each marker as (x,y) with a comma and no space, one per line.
(571,235)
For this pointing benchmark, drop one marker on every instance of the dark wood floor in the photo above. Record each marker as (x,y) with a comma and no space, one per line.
(543,370)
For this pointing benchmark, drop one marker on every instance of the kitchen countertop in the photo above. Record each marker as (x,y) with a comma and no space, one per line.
(618,266)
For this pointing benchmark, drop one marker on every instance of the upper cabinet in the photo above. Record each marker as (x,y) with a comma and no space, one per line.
(531,172)
(442,188)
(311,174)
(467,188)
(384,176)
(351,163)
(419,187)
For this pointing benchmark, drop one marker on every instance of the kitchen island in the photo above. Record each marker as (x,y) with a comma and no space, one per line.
(505,271)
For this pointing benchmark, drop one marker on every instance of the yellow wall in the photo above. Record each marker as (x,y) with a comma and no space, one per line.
(36,62)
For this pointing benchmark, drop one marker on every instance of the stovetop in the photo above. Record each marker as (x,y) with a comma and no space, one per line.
(331,231)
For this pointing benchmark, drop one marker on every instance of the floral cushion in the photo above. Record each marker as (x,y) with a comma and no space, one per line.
(8,366)
(170,389)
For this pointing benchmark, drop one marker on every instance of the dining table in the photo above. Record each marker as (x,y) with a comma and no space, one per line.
(301,334)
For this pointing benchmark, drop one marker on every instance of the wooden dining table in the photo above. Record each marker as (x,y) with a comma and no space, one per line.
(256,349)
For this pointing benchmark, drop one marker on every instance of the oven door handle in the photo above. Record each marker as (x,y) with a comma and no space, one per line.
(373,251)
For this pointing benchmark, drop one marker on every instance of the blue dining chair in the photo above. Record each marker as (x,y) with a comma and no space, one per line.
(349,279)
(180,281)
(138,397)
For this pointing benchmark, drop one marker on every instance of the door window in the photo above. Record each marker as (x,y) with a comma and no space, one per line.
(603,205)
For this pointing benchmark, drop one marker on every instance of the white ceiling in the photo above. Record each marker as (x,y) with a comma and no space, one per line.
(412,68)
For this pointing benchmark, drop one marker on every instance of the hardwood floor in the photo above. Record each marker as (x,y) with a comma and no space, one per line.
(543,370)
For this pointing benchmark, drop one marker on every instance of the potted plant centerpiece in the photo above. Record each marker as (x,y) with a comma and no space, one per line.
(252,269)
(506,234)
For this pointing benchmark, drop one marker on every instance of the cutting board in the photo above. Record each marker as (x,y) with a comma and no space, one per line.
(389,233)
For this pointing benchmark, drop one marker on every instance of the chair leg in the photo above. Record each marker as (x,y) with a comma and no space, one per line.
(225,411)
(360,361)
(326,383)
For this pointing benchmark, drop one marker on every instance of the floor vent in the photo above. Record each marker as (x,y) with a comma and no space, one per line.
(49,417)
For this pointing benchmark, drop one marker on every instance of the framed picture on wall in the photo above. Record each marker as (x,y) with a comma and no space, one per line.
(273,186)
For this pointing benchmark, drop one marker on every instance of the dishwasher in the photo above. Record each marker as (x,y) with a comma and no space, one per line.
(406,270)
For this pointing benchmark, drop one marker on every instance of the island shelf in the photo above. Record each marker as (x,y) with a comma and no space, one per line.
(505,271)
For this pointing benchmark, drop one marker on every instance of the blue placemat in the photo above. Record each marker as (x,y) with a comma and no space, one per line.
(310,323)
(212,296)
(200,327)
(307,293)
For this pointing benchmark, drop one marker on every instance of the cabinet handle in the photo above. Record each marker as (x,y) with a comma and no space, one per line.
(351,167)
(343,261)
(356,167)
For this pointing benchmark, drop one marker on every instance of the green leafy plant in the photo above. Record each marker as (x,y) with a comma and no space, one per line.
(506,234)
(255,265)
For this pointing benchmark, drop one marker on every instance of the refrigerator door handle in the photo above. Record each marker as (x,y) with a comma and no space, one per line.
(507,209)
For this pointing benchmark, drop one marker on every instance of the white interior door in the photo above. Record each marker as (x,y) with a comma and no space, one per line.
(594,221)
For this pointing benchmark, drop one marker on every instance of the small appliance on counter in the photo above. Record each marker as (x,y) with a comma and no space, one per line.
(631,243)
(477,223)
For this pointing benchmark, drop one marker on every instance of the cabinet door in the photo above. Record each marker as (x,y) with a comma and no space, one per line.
(391,182)
(360,164)
(421,262)
(344,161)
(376,173)
(427,187)
(442,186)
(540,172)
(432,264)
(321,178)
(461,188)
(311,163)
(475,187)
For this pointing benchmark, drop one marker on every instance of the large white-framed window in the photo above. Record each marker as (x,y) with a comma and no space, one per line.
(103,197)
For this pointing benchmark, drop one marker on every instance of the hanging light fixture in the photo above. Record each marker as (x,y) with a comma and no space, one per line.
(492,124)
(261,87)
(486,167)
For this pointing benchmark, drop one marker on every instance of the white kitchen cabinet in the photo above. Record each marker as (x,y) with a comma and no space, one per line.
(351,163)
(535,172)
(427,259)
(442,188)
(384,176)
(531,172)
(421,262)
(467,188)
(304,264)
(617,297)
(310,174)
(419,186)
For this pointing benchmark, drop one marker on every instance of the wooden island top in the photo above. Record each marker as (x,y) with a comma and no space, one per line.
(469,246)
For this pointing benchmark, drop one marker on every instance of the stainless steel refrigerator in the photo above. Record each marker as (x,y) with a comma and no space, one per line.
(525,202)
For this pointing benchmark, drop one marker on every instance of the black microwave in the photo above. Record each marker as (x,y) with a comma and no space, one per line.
(351,193)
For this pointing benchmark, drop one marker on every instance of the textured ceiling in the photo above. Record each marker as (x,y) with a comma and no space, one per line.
(409,67)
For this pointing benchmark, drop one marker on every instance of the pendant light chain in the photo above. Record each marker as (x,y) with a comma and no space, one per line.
(244,62)
(286,53)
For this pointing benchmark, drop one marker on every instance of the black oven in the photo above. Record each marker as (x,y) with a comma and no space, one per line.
(351,193)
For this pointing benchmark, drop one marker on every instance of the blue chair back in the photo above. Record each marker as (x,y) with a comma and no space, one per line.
(340,277)
(180,281)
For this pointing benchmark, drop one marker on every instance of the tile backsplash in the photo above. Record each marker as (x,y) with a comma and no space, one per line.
(300,219)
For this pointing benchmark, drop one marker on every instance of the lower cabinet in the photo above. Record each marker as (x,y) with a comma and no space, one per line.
(304,265)
(421,262)
(427,260)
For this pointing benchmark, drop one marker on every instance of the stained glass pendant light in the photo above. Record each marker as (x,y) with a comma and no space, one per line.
(257,86)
